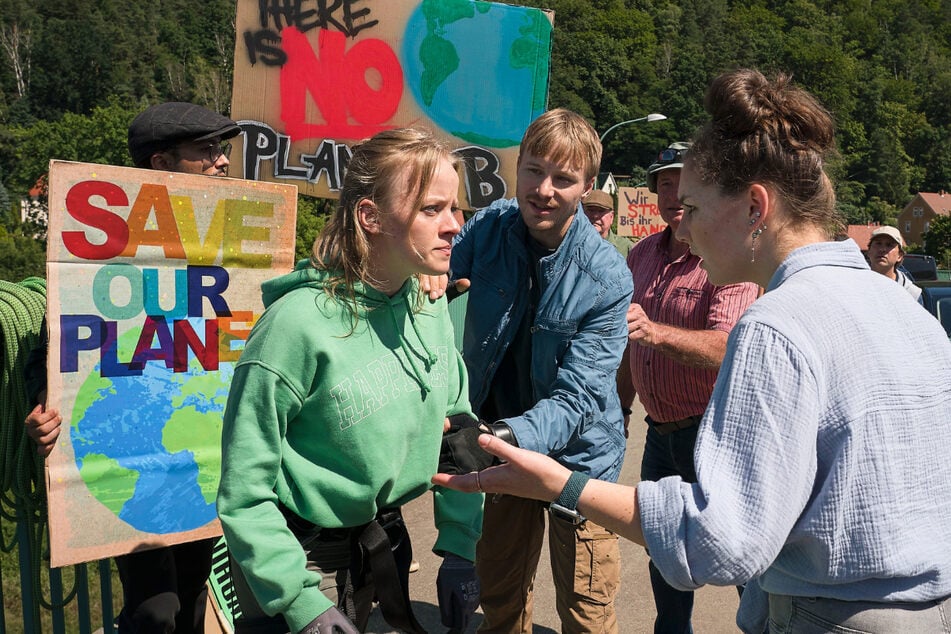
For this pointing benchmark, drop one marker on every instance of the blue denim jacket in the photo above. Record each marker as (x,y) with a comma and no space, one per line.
(579,332)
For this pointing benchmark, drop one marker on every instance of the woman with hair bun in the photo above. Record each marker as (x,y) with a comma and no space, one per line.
(822,474)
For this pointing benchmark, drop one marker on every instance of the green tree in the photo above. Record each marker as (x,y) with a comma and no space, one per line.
(891,170)
(756,35)
(602,68)
(850,197)
(74,55)
(882,211)
(6,204)
(101,137)
(937,239)
(311,216)
(73,60)
(21,256)
(18,27)
(932,148)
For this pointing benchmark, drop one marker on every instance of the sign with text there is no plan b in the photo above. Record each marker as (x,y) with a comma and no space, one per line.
(153,285)
(313,78)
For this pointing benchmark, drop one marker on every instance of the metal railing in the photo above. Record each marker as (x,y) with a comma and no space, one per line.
(37,599)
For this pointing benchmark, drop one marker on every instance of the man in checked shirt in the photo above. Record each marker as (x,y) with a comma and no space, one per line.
(678,324)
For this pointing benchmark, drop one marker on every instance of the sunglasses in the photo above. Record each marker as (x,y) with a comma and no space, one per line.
(215,150)
(670,155)
(209,150)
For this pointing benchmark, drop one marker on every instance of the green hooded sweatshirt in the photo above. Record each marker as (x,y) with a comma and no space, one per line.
(336,419)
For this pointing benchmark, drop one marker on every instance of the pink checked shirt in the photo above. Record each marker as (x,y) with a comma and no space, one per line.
(678,293)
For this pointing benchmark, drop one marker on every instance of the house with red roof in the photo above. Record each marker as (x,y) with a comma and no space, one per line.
(915,219)
(862,234)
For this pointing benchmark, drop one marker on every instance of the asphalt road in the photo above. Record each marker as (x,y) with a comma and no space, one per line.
(714,609)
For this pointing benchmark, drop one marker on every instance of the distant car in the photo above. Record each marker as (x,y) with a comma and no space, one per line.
(920,267)
(936,297)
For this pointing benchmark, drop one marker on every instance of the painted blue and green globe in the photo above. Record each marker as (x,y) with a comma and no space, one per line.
(474,66)
(147,446)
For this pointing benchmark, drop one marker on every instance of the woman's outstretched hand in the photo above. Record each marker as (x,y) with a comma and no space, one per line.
(528,474)
(524,473)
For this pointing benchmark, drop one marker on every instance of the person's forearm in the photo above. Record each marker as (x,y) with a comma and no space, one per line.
(694,348)
(613,506)
(532,475)
(625,384)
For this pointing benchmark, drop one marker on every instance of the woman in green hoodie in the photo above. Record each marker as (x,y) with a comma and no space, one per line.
(337,408)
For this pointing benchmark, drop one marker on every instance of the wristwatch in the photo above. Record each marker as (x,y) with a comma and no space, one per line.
(566,506)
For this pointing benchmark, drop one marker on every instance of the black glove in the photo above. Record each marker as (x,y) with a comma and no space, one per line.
(457,587)
(460,451)
(333,621)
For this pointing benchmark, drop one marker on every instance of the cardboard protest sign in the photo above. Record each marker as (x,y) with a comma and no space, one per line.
(638,215)
(153,284)
(311,79)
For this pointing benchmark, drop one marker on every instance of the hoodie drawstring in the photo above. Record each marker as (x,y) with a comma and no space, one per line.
(409,352)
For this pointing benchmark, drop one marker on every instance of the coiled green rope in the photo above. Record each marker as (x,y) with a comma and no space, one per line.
(22,307)
(22,473)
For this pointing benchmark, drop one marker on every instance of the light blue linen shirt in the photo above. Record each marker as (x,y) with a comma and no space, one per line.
(823,457)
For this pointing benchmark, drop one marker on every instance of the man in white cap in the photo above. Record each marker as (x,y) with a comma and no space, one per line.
(886,250)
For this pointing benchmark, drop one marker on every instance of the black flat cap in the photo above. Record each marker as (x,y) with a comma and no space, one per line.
(163,125)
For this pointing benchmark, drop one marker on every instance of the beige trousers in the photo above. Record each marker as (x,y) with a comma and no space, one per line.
(585,562)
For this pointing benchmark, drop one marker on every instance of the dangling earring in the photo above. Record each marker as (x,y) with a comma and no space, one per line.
(755,235)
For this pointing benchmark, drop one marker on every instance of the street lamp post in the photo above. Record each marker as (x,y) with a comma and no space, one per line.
(649,118)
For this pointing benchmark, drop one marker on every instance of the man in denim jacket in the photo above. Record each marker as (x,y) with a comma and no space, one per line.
(544,333)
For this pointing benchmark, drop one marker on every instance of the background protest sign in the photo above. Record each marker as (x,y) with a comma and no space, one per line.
(153,285)
(638,215)
(311,81)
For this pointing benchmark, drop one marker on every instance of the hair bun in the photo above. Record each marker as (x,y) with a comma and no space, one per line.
(768,131)
(746,102)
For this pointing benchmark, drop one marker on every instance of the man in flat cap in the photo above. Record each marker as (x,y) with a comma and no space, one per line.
(181,137)
(599,208)
(886,250)
(164,588)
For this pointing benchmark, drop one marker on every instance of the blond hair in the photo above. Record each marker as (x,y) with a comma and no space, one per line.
(563,136)
(382,168)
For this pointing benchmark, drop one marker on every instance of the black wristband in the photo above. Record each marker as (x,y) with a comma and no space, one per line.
(503,432)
